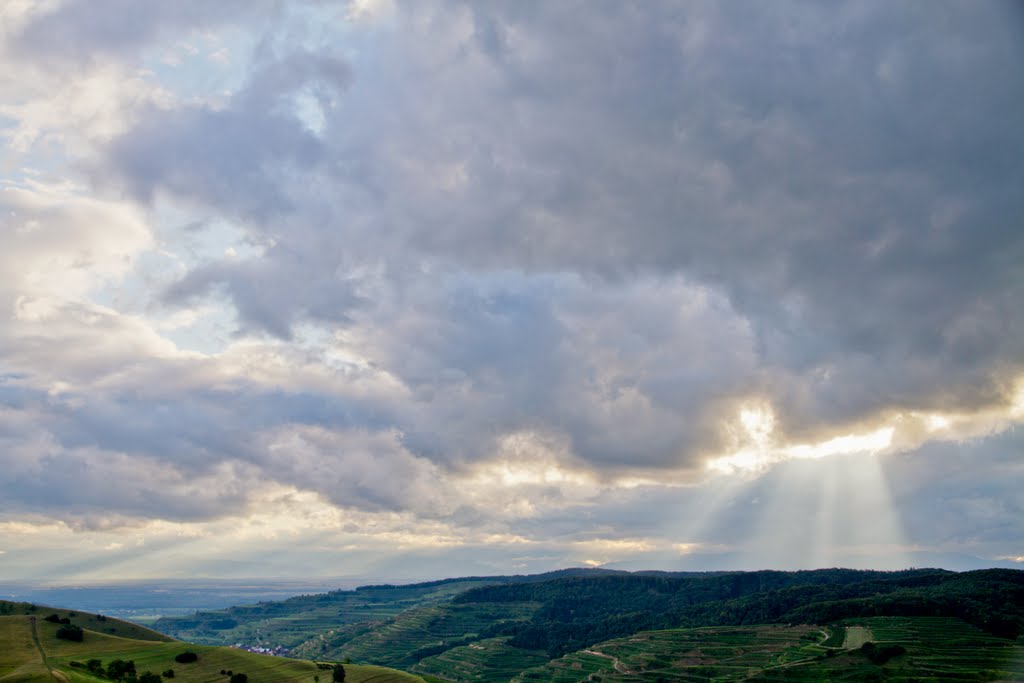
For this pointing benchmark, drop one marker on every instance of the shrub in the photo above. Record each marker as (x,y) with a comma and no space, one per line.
(239,678)
(119,669)
(169,673)
(881,654)
(186,657)
(70,632)
(149,677)
(53,619)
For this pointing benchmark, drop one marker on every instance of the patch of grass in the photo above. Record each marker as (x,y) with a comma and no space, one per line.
(856,636)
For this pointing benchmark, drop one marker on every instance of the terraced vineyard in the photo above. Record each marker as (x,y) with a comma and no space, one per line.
(327,620)
(948,649)
(701,654)
(486,661)
(415,634)
(936,649)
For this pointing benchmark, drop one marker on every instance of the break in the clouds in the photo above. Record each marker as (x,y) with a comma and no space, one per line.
(509,286)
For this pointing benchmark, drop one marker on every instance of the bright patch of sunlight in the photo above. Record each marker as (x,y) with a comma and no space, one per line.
(872,442)
(761,448)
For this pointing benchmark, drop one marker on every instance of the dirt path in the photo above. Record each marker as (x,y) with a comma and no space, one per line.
(42,653)
(616,663)
(856,636)
(35,639)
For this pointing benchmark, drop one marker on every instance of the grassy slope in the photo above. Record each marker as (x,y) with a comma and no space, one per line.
(93,622)
(21,662)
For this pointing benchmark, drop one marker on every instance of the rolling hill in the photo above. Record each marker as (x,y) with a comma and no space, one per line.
(32,652)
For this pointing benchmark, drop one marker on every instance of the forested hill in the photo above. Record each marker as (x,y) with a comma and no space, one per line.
(576,612)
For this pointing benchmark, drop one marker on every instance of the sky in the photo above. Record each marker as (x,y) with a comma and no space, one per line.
(422,289)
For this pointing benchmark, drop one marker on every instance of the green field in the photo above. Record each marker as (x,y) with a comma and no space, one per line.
(856,636)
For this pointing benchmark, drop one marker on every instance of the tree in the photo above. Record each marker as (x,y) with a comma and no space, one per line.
(239,678)
(338,674)
(118,669)
(70,632)
(186,657)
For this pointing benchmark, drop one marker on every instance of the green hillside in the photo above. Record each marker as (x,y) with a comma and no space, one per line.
(334,615)
(31,652)
(93,622)
(332,618)
(421,632)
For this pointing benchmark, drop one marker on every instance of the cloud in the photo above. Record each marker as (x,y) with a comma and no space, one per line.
(76,31)
(865,239)
(513,271)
